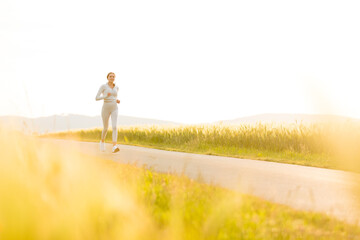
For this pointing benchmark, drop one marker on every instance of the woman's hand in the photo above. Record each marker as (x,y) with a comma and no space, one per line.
(118,101)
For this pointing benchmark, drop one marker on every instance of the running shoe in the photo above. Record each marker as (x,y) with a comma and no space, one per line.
(102,146)
(115,149)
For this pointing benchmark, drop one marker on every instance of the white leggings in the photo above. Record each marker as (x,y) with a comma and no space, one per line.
(109,109)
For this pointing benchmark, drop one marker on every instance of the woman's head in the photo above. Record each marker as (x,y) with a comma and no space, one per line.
(111,77)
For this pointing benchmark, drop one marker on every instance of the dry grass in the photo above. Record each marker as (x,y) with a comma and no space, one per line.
(320,145)
(51,193)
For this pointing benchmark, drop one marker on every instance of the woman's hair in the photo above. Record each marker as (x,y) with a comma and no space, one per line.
(109,74)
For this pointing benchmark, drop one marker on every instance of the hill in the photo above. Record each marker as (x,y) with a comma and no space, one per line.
(57,123)
(288,118)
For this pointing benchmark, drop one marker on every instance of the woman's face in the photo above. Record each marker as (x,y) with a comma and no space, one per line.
(111,77)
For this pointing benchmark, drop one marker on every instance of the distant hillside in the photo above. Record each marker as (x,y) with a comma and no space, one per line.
(288,118)
(69,122)
(72,122)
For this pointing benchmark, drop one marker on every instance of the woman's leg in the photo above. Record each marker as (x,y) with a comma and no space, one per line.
(114,115)
(105,114)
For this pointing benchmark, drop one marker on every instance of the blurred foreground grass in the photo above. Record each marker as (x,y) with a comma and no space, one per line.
(328,145)
(51,193)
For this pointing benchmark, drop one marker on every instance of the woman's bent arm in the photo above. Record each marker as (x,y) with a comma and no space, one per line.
(98,95)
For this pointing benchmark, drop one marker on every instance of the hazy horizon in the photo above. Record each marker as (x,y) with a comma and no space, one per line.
(243,117)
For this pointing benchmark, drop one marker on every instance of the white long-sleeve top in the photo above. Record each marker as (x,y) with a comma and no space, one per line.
(104,90)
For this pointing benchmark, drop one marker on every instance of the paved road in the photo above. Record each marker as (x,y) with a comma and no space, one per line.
(305,188)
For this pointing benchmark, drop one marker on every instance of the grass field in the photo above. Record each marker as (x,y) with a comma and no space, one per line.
(50,193)
(327,145)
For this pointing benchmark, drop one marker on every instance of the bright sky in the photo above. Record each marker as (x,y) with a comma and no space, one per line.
(188,61)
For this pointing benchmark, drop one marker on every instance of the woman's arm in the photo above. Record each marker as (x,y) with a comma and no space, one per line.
(98,95)
(117,90)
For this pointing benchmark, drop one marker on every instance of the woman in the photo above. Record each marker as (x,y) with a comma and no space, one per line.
(109,94)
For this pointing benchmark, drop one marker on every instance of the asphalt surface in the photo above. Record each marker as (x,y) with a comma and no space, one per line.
(304,188)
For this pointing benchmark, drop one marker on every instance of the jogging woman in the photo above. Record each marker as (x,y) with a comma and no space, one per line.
(109,93)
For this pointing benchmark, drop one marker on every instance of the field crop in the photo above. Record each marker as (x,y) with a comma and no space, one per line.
(328,145)
(52,193)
